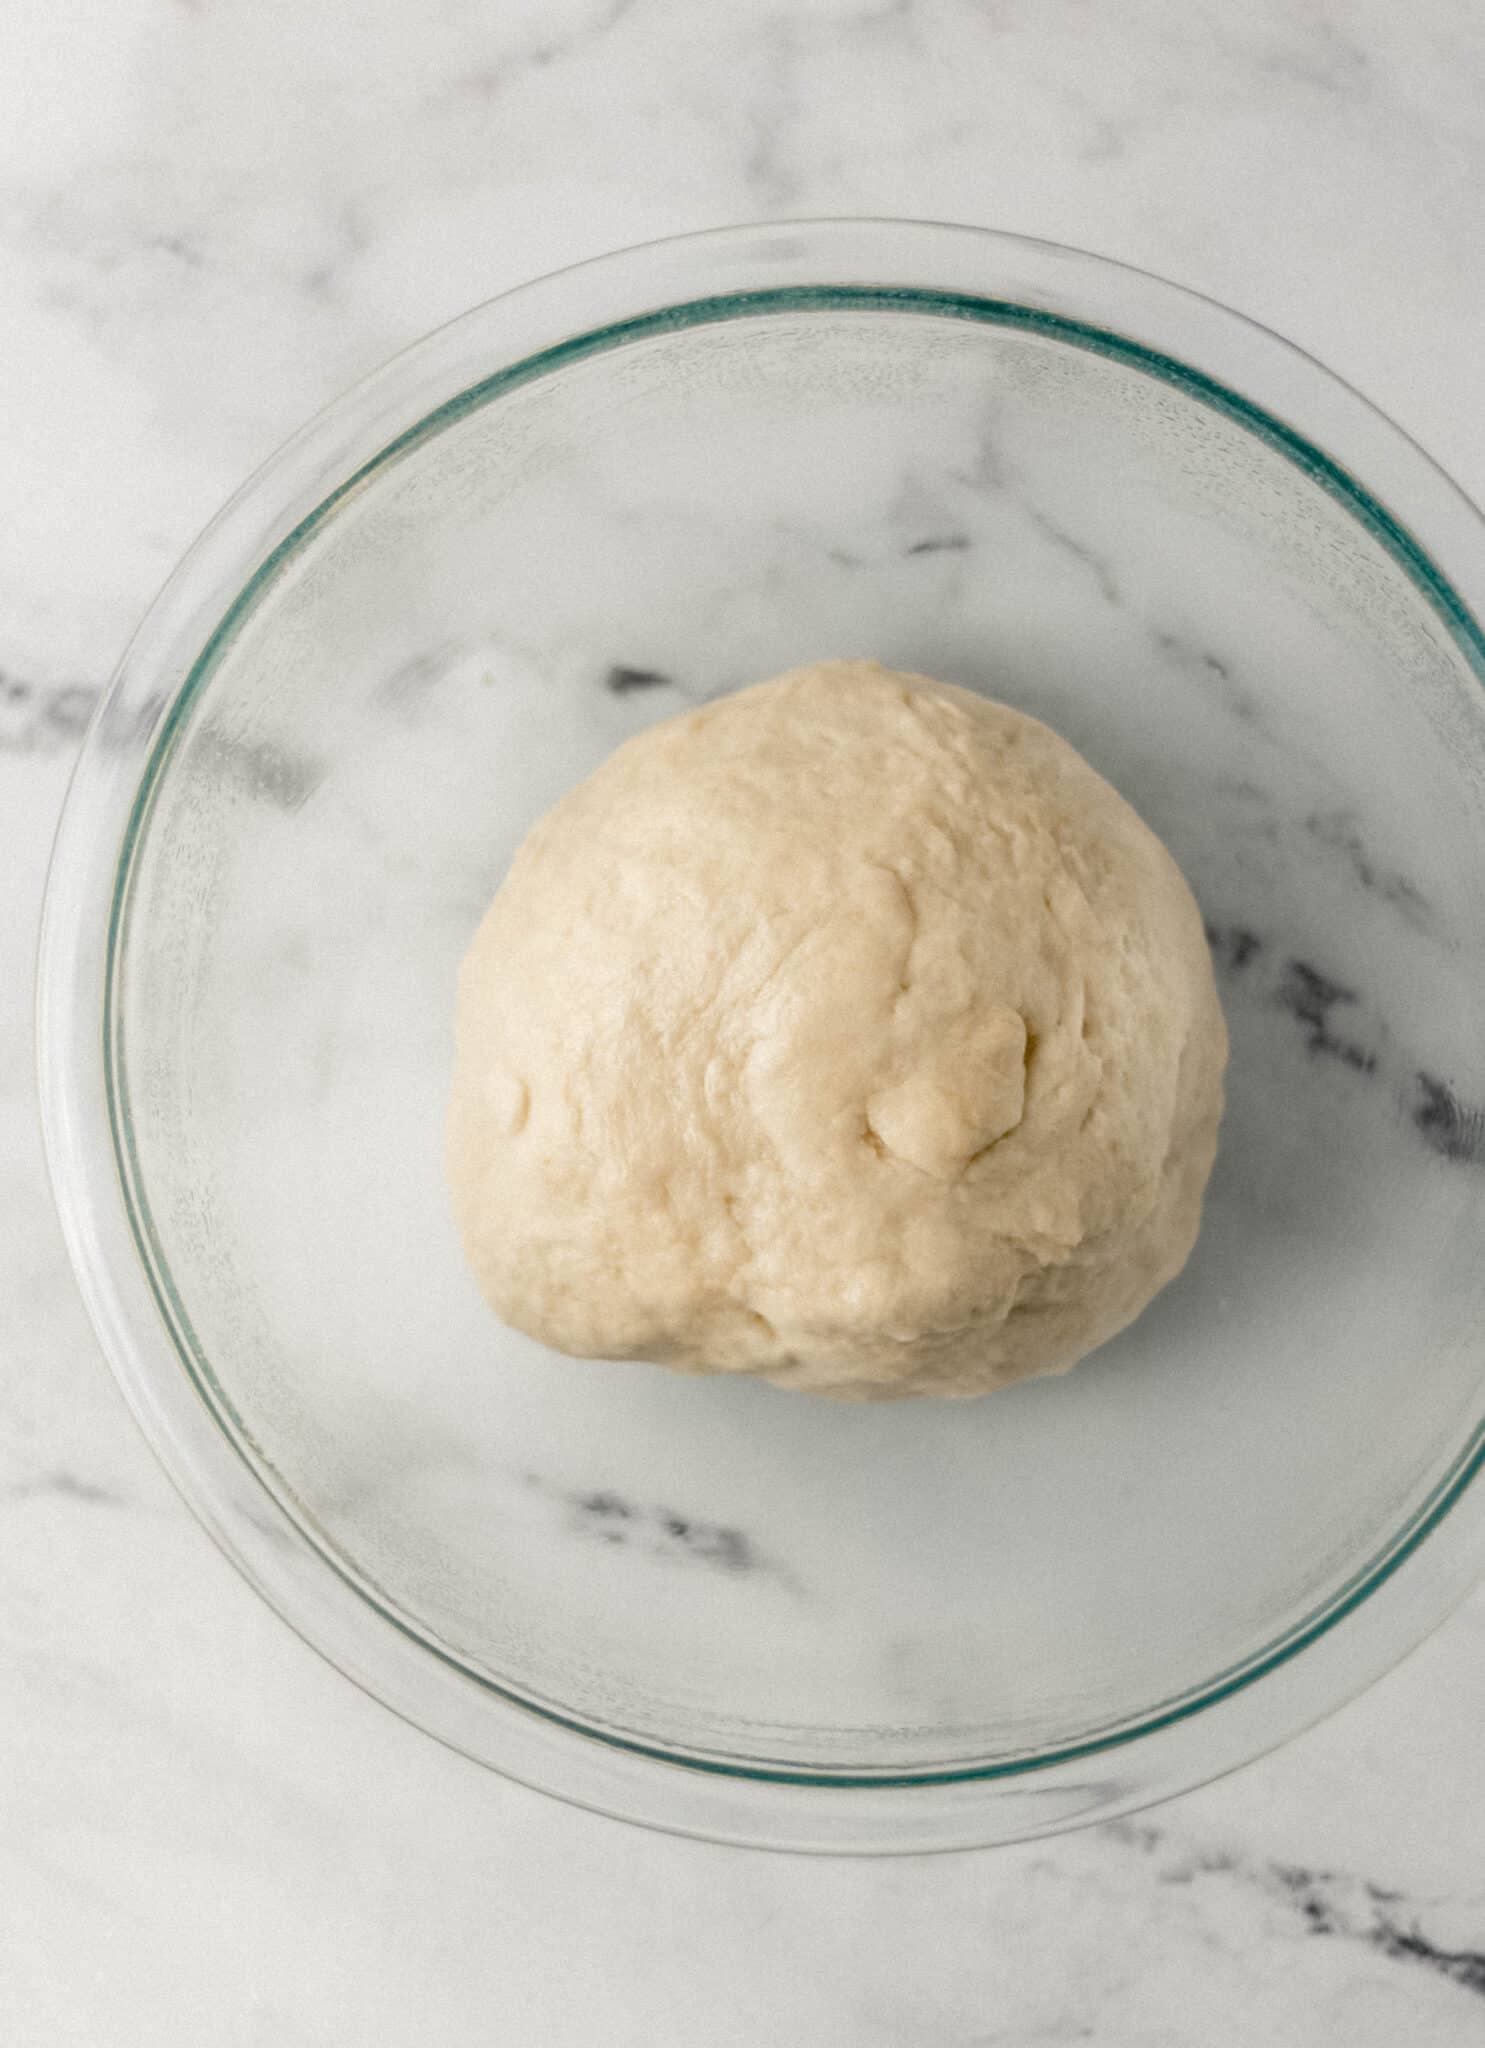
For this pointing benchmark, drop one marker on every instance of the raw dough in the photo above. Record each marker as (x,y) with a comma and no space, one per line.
(850,1031)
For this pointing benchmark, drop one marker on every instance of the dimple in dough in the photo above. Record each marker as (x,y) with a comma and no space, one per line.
(850,1031)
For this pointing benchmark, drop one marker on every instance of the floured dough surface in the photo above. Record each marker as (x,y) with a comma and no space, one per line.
(850,1031)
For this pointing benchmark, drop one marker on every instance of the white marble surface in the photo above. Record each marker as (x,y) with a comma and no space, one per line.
(211,217)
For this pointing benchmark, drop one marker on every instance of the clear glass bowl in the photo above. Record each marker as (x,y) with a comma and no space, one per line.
(707,1605)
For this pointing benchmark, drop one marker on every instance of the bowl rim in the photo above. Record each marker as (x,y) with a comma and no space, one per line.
(1212,355)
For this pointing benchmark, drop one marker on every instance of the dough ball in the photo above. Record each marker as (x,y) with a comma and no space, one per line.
(850,1031)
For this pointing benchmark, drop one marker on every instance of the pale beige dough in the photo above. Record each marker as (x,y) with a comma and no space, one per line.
(850,1031)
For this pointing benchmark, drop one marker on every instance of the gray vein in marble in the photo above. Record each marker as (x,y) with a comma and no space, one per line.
(887,14)
(63,1485)
(186,249)
(491,79)
(659,1530)
(770,181)
(1104,134)
(1209,668)
(1327,1904)
(940,544)
(622,679)
(350,237)
(1327,61)
(780,105)
(991,471)
(1314,1000)
(1334,1021)
(988,469)
(1332,826)
(263,768)
(1338,831)
(1333,832)
(1453,1129)
(609,1518)
(1233,946)
(1337,1026)
(1324,61)
(1110,136)
(1462,1966)
(1331,66)
(1097,565)
(35,719)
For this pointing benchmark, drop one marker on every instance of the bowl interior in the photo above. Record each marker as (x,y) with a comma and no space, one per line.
(633,524)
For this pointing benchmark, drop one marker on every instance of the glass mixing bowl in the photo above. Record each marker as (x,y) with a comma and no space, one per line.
(706,1604)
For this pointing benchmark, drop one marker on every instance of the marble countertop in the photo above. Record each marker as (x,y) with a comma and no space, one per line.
(211,219)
